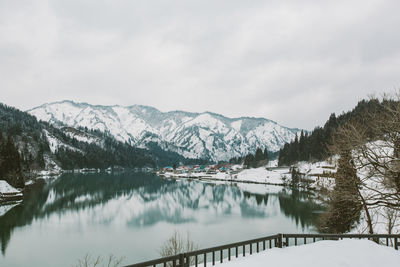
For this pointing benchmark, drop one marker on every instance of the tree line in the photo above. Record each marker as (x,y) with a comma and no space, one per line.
(10,162)
(367,181)
(259,158)
(314,146)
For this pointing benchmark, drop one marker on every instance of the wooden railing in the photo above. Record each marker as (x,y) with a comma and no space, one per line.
(220,253)
(388,240)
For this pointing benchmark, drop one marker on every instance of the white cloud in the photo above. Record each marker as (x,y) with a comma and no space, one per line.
(291,61)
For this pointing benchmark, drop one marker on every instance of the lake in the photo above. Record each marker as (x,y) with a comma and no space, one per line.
(132,214)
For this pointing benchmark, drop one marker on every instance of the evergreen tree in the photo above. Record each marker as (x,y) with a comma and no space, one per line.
(250,161)
(2,170)
(295,177)
(345,204)
(265,154)
(314,146)
(259,155)
(11,164)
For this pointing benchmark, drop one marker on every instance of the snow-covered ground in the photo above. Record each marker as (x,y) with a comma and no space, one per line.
(316,168)
(320,173)
(273,176)
(346,253)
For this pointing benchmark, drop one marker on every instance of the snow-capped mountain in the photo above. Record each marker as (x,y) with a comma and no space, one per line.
(193,135)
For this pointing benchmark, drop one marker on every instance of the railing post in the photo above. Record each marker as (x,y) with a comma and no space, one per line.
(280,240)
(187,260)
(181,260)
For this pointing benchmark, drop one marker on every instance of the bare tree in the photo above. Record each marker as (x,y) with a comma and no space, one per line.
(374,142)
(89,261)
(177,244)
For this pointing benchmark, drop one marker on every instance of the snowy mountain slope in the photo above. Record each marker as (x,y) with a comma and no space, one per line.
(193,135)
(82,136)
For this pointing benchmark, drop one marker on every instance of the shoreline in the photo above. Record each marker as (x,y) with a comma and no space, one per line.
(210,178)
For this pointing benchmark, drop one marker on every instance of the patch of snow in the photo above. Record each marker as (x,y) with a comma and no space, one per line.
(83,138)
(263,175)
(29,182)
(55,143)
(272,163)
(343,253)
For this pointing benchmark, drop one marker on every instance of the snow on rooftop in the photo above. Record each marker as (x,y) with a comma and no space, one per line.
(6,188)
(343,253)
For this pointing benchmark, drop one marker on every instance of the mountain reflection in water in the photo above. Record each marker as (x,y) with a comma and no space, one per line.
(137,200)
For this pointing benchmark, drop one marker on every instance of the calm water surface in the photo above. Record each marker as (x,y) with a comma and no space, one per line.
(132,214)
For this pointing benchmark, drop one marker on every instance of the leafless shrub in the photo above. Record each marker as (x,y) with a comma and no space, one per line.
(178,244)
(89,261)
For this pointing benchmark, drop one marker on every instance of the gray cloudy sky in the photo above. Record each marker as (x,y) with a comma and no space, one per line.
(291,61)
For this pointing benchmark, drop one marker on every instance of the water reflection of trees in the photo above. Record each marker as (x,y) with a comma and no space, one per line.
(72,192)
(299,206)
(66,189)
(21,215)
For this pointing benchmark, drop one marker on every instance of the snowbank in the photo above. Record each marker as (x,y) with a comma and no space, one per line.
(354,253)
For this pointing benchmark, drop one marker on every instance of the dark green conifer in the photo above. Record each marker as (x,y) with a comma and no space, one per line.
(345,206)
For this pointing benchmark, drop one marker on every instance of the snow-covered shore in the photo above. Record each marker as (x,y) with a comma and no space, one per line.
(350,252)
(317,175)
(261,175)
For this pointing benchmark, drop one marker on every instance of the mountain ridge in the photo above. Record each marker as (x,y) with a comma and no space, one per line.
(165,112)
(193,135)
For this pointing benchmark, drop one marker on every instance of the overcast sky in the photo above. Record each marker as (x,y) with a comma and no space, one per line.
(294,62)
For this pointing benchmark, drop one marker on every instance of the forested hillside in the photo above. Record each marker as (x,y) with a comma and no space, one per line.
(314,146)
(260,158)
